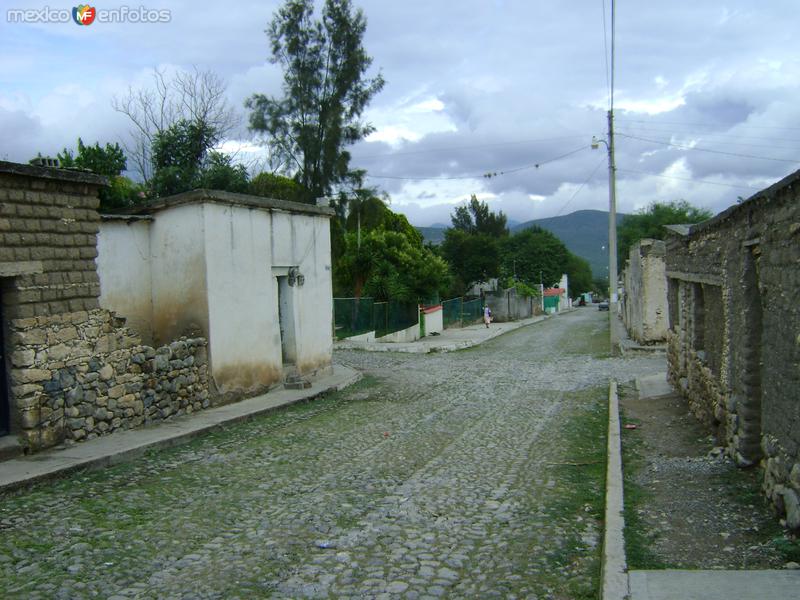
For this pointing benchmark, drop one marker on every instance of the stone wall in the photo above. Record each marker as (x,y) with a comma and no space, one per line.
(79,375)
(73,371)
(645,302)
(734,344)
(53,222)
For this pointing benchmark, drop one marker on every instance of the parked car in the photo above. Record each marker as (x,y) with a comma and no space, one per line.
(603,305)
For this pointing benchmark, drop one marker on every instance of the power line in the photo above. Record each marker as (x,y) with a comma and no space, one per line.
(587,180)
(733,185)
(698,149)
(482,175)
(473,147)
(705,137)
(717,135)
(704,124)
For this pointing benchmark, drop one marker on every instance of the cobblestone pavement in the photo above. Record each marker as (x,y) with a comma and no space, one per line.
(475,474)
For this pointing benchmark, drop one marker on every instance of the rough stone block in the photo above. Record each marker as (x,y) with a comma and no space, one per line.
(22,376)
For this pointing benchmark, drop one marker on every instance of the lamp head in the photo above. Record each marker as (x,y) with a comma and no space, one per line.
(595,143)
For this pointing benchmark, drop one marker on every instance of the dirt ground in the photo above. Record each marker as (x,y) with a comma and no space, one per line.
(686,505)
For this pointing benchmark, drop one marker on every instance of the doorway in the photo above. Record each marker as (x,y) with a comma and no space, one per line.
(286,321)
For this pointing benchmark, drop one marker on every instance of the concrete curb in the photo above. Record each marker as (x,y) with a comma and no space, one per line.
(614,566)
(132,443)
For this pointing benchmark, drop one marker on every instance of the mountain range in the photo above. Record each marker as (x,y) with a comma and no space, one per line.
(584,233)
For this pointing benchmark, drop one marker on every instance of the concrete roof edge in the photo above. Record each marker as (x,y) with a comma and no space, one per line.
(70,175)
(232,198)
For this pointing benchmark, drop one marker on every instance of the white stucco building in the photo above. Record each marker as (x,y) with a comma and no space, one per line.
(252,275)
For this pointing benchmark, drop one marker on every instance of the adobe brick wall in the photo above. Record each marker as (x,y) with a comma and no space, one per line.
(55,222)
(737,278)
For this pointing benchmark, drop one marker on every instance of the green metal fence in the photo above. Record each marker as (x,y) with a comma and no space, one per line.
(458,312)
(394,316)
(352,316)
(471,311)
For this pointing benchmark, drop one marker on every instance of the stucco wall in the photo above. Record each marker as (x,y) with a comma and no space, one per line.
(123,264)
(244,339)
(180,304)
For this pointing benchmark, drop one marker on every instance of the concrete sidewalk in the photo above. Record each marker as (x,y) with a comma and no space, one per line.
(671,584)
(456,338)
(128,444)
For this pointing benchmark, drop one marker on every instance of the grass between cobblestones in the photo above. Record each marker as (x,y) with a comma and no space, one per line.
(590,338)
(578,498)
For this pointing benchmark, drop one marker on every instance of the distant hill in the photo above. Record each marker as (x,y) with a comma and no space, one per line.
(584,233)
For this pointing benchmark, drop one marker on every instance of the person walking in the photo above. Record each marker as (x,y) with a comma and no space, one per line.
(487,315)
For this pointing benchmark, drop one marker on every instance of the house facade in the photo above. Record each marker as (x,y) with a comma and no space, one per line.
(734,333)
(251,275)
(644,310)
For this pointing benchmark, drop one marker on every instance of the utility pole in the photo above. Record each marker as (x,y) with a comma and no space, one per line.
(612,213)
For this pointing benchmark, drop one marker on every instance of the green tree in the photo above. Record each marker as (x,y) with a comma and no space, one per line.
(649,223)
(476,218)
(580,275)
(178,156)
(472,246)
(389,265)
(220,173)
(110,162)
(535,256)
(270,185)
(325,91)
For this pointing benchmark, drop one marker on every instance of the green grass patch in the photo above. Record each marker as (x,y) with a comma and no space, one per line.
(592,338)
(638,538)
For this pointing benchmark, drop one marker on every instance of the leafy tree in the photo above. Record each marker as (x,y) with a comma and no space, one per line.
(178,156)
(388,265)
(649,223)
(270,185)
(110,162)
(472,246)
(325,91)
(219,173)
(580,275)
(535,255)
(476,218)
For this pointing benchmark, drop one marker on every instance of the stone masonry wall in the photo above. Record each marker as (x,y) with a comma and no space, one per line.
(54,222)
(79,375)
(747,263)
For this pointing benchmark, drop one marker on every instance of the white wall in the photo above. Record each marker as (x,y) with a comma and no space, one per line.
(244,339)
(123,266)
(311,252)
(247,249)
(180,304)
(434,320)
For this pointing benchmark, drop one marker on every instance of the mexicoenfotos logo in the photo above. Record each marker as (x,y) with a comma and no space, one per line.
(83,14)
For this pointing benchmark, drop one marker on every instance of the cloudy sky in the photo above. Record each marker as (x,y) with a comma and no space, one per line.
(705,94)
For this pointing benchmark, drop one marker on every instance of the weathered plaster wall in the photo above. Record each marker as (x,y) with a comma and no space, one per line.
(735,349)
(645,311)
(314,299)
(507,305)
(178,271)
(124,267)
(244,338)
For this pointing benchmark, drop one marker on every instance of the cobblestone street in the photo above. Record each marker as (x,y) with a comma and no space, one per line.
(474,474)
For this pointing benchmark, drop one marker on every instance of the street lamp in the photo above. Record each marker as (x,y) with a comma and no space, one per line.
(612,208)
